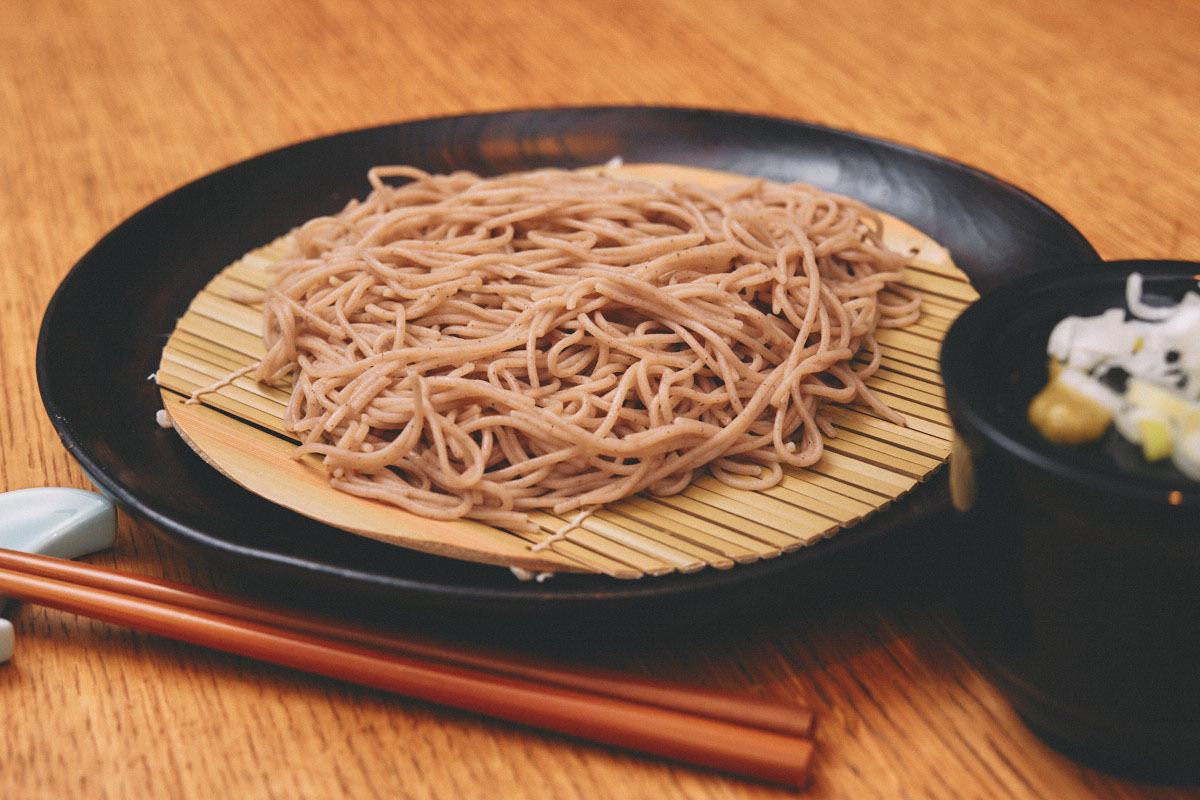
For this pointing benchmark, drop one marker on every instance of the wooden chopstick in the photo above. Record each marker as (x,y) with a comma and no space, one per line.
(741,709)
(743,748)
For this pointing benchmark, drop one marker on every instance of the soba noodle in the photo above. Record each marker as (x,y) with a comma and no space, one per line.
(480,348)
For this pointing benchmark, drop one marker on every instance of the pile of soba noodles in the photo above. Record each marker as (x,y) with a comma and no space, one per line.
(479,348)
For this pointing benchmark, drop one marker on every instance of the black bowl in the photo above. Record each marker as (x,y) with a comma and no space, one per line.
(1082,579)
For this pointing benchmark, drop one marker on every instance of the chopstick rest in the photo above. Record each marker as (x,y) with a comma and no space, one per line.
(53,521)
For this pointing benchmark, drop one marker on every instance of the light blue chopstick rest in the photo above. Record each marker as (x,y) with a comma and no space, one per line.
(58,522)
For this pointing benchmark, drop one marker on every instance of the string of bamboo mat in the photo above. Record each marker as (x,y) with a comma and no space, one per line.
(869,464)
(743,735)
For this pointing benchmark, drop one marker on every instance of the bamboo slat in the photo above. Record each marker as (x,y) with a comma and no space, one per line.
(869,463)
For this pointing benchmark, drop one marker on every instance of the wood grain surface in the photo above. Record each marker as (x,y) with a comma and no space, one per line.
(108,104)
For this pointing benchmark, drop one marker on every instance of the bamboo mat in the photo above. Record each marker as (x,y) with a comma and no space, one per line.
(867,466)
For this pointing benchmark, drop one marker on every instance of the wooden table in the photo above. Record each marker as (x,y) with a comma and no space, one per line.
(1091,106)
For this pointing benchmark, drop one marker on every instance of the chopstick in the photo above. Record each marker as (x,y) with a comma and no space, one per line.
(746,710)
(740,735)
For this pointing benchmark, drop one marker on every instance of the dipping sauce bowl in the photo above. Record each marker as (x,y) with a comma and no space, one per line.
(1080,586)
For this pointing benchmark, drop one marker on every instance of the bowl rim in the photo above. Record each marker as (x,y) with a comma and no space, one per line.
(961,374)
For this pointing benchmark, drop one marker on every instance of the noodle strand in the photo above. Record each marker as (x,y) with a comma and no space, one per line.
(485,347)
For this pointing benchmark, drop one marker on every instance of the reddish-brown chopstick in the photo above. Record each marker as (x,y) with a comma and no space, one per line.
(675,733)
(741,709)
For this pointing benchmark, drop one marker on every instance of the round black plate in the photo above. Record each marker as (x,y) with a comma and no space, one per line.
(105,327)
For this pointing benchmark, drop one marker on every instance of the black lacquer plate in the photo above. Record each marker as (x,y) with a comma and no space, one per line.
(105,326)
